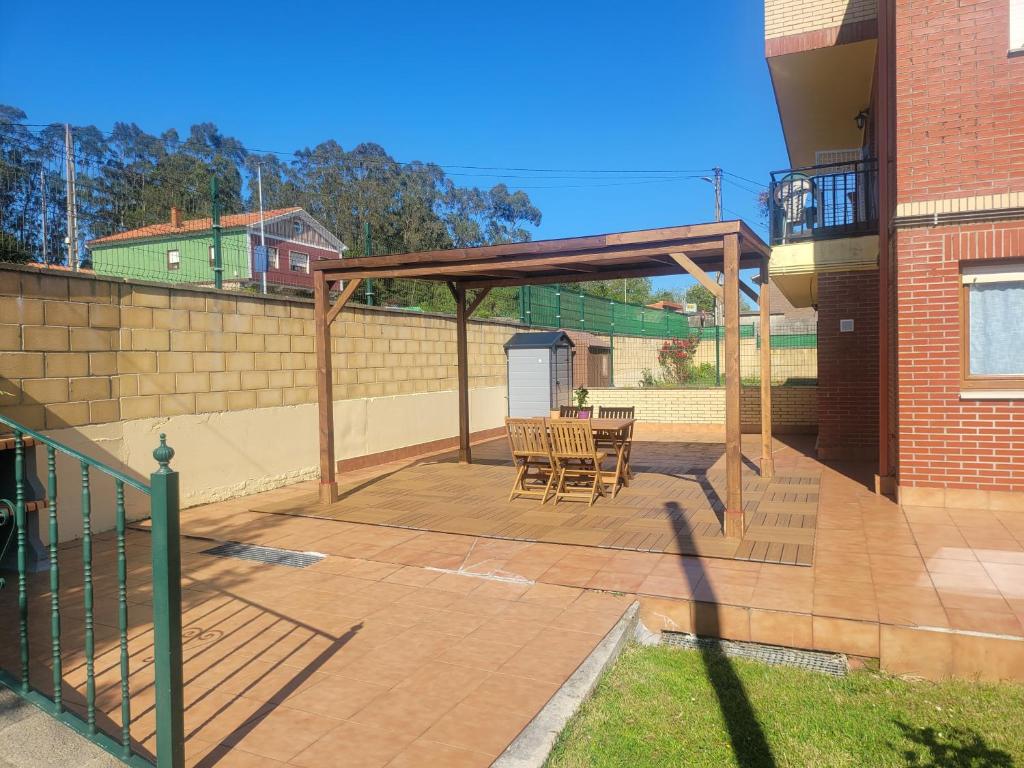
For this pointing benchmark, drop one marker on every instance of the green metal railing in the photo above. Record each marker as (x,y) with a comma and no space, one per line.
(166,562)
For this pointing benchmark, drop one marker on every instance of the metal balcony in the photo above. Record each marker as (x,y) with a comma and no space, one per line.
(824,201)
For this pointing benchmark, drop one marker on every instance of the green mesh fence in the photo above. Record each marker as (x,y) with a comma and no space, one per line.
(551,306)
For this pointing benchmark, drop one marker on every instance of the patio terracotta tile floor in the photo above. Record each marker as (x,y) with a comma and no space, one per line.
(875,564)
(406,647)
(348,662)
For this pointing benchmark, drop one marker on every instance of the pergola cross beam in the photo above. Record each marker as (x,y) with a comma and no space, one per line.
(698,274)
(347,293)
(751,293)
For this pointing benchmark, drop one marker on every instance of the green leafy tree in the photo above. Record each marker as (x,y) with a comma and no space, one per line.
(131,178)
(632,290)
(701,296)
(13,250)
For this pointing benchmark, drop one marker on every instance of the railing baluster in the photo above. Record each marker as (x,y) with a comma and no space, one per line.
(51,495)
(166,549)
(122,621)
(164,510)
(90,640)
(20,522)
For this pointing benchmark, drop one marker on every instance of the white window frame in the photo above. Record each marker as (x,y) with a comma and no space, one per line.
(291,267)
(175,263)
(273,258)
(1016,26)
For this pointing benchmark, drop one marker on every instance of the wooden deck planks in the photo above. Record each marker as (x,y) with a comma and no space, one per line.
(674,505)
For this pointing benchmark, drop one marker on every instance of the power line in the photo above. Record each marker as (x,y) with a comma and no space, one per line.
(748,190)
(744,178)
(295,153)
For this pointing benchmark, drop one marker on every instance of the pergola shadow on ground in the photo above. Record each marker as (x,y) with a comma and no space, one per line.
(698,249)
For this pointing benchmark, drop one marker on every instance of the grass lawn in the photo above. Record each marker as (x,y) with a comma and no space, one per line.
(671,707)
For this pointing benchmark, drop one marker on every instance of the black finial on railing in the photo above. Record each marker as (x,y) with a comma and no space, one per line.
(163,454)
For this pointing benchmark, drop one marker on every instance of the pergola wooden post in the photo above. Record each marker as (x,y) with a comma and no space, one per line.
(697,249)
(323,316)
(734,523)
(763,303)
(462,353)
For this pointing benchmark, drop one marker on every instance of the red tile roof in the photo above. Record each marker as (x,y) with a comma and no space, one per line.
(57,267)
(191,226)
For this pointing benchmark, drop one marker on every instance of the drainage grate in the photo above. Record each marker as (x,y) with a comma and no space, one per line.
(269,555)
(828,663)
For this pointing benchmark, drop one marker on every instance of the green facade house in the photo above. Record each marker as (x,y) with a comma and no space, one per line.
(181,251)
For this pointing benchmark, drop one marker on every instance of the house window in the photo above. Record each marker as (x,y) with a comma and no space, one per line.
(1017,25)
(298,262)
(298,226)
(173,259)
(992,309)
(272,258)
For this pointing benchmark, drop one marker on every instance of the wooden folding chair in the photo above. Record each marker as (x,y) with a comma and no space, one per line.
(528,441)
(616,412)
(576,457)
(574,412)
(610,440)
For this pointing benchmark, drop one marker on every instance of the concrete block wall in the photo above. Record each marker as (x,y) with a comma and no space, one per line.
(80,350)
(106,365)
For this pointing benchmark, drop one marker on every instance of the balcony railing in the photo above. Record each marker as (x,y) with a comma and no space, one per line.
(824,201)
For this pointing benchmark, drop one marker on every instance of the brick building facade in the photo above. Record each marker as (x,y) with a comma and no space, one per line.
(920,366)
(960,163)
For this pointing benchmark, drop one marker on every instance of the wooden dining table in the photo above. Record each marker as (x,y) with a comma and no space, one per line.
(620,432)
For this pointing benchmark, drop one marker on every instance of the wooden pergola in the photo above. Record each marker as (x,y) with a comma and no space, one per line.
(697,249)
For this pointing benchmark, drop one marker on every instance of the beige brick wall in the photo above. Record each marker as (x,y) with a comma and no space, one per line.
(633,355)
(794,17)
(78,350)
(58,349)
(793,408)
(681,406)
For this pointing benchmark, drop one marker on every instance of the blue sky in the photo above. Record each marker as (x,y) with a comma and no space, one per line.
(662,86)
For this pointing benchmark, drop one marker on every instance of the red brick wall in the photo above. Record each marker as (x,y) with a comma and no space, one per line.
(848,366)
(960,100)
(959,133)
(945,441)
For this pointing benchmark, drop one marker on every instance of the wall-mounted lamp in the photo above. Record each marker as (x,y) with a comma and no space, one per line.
(862,119)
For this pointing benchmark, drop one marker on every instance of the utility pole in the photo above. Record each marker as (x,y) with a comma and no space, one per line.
(717,183)
(218,265)
(72,205)
(263,238)
(367,249)
(42,205)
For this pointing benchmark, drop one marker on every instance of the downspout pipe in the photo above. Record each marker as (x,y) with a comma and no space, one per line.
(885,480)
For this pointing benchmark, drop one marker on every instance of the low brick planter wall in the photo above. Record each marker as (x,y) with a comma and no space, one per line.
(794,409)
